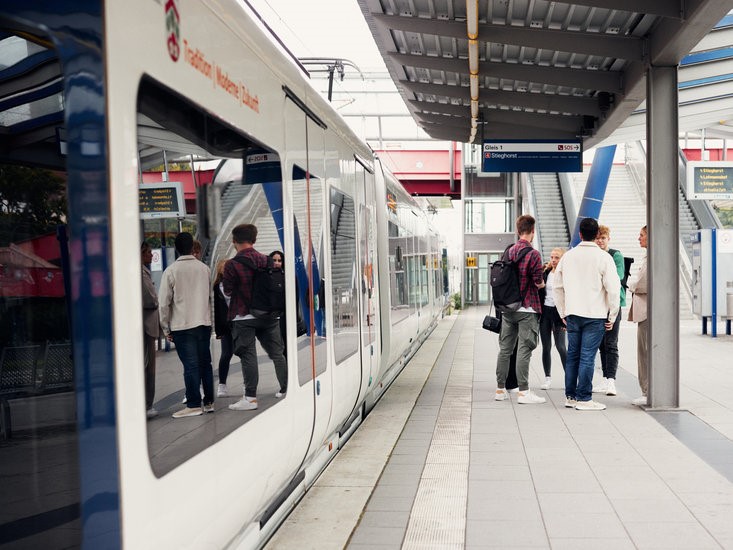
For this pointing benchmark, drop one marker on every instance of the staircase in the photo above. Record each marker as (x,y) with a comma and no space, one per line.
(549,213)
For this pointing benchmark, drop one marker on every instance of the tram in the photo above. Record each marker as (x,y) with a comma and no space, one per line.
(95,97)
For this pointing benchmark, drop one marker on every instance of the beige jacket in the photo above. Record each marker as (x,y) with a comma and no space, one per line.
(586,283)
(151,322)
(637,285)
(184,296)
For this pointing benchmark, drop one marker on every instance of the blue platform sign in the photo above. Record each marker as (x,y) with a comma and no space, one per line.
(515,155)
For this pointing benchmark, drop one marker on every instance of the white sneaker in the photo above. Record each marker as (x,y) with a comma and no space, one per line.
(222,390)
(548,383)
(151,412)
(602,387)
(280,394)
(244,404)
(528,397)
(208,408)
(640,401)
(570,402)
(513,390)
(611,389)
(501,395)
(589,406)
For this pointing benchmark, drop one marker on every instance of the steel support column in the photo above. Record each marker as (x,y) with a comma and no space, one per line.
(663,232)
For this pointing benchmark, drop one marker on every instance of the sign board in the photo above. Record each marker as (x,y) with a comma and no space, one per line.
(157,263)
(161,200)
(514,155)
(709,180)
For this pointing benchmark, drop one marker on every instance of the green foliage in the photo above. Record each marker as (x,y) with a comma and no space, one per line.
(155,231)
(32,202)
(725,215)
(456,298)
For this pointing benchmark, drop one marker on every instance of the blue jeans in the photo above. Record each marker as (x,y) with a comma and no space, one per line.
(268,333)
(584,337)
(192,346)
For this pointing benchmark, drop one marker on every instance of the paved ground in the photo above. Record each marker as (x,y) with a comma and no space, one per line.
(440,464)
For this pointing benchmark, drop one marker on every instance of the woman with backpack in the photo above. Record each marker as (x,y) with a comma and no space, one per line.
(551,325)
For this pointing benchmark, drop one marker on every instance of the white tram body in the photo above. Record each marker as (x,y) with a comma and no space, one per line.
(204,79)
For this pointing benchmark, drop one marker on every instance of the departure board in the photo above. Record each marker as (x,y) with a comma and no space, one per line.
(517,155)
(162,200)
(709,180)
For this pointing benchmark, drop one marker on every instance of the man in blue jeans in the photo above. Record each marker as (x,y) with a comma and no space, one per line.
(185,315)
(587,296)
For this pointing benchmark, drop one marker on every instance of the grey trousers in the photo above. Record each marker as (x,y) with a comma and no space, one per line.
(642,359)
(522,330)
(268,333)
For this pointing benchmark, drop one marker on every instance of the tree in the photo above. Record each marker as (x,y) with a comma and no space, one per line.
(32,202)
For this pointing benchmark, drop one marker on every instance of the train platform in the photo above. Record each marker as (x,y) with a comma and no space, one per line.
(440,464)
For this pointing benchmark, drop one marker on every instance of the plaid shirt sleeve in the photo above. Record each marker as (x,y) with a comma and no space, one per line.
(530,275)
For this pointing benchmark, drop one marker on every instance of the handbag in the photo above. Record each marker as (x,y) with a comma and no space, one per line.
(492,323)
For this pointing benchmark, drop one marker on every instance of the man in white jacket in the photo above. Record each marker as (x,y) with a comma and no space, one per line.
(185,315)
(586,289)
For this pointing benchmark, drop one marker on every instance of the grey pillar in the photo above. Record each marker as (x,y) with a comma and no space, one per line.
(663,231)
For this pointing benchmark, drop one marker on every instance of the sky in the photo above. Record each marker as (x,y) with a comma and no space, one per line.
(323,28)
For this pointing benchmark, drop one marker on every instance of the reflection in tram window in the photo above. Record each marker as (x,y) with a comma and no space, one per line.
(177,137)
(40,495)
(308,227)
(344,275)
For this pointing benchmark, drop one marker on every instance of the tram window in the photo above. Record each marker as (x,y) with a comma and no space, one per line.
(241,180)
(344,275)
(40,495)
(307,192)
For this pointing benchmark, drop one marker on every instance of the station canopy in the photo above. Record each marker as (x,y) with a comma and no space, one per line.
(473,70)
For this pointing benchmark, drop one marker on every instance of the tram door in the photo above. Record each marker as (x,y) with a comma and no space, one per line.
(478,271)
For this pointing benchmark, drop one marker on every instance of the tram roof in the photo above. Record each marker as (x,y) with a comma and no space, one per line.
(541,69)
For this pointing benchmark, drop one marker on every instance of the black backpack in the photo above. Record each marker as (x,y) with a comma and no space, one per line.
(505,281)
(627,267)
(268,289)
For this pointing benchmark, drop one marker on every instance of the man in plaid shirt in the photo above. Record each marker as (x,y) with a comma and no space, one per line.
(237,283)
(521,327)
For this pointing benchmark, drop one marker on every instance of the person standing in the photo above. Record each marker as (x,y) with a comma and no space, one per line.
(609,344)
(637,314)
(238,285)
(521,327)
(151,327)
(185,315)
(222,329)
(586,289)
(551,326)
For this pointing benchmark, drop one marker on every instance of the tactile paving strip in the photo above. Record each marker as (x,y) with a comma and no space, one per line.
(438,516)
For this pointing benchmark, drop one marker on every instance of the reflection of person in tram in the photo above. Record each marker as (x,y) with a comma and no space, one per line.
(278,262)
(151,325)
(223,330)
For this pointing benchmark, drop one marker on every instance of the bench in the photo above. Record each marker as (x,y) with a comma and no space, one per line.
(32,370)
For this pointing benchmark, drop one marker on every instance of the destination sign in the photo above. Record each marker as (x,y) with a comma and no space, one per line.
(710,180)
(161,200)
(532,156)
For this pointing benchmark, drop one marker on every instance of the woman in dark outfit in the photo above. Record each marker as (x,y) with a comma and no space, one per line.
(223,330)
(551,325)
